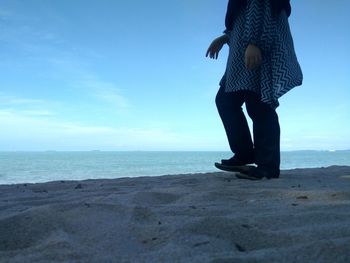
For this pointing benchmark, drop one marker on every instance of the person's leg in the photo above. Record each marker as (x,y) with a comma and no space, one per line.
(266,132)
(229,105)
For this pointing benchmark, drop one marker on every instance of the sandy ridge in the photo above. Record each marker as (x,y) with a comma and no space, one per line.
(214,217)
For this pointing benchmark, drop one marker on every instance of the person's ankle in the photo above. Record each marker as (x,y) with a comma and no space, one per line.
(268,172)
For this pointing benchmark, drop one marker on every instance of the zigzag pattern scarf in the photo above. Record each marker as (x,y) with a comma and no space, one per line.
(234,7)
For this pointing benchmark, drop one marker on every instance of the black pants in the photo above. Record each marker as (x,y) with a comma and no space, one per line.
(266,130)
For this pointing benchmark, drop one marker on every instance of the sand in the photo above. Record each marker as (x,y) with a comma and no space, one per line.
(302,217)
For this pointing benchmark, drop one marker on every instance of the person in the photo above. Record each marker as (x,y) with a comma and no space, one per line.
(261,67)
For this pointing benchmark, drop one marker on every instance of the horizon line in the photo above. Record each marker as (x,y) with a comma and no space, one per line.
(45,151)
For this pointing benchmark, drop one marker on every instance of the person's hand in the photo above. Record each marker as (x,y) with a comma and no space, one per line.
(216,46)
(252,57)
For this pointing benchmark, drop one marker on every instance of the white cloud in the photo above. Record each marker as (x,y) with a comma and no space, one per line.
(32,124)
(6,100)
(23,132)
(107,92)
(44,113)
(25,106)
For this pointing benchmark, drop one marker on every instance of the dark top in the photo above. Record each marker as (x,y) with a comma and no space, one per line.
(234,7)
(280,71)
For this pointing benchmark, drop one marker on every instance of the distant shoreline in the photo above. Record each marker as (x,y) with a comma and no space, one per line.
(153,151)
(30,167)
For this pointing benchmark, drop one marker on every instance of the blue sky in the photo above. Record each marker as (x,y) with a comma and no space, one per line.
(132,75)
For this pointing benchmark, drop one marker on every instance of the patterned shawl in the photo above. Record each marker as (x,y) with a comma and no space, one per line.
(234,7)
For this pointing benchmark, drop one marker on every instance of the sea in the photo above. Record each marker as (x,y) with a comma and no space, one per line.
(36,167)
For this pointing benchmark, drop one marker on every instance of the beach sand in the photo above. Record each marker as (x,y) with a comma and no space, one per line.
(302,217)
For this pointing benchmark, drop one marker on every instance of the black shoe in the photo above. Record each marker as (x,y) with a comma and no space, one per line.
(235,164)
(234,161)
(257,174)
(234,168)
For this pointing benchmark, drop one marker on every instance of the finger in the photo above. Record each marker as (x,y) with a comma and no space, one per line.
(249,63)
(260,60)
(208,51)
(257,61)
(211,53)
(252,62)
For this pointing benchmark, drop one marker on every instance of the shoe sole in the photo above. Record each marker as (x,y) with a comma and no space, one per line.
(248,177)
(241,169)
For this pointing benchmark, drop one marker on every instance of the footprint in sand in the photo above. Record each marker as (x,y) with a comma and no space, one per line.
(25,230)
(155,198)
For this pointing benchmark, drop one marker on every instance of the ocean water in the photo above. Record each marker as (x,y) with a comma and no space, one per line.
(34,167)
